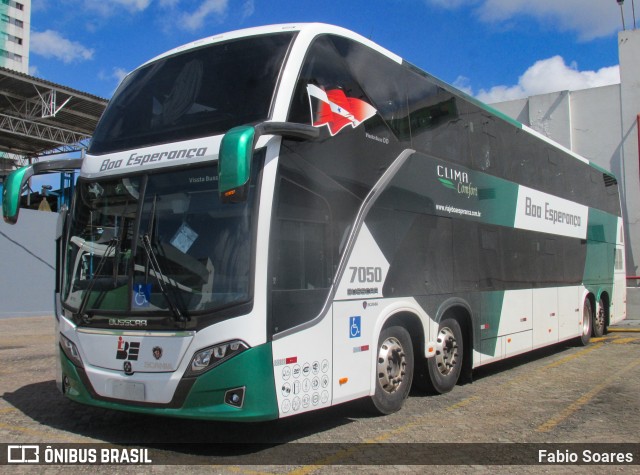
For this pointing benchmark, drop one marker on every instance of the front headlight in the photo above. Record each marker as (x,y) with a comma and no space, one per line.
(207,358)
(71,350)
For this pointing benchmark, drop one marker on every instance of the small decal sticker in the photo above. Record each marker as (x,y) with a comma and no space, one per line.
(157,352)
(184,238)
(141,295)
(286,372)
(354,327)
(335,110)
(284,361)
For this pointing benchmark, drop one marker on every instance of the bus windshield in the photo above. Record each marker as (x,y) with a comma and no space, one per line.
(161,242)
(205,91)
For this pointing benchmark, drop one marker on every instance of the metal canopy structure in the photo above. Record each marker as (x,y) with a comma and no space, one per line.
(39,118)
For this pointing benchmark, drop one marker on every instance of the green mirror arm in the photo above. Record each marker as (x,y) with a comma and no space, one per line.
(15,182)
(287,129)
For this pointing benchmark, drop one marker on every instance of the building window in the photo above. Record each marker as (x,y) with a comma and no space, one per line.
(12,21)
(8,54)
(13,39)
(14,4)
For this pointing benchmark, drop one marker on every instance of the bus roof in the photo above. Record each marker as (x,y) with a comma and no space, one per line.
(311,30)
(308,29)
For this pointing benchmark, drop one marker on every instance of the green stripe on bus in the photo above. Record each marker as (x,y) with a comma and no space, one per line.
(251,369)
(601,244)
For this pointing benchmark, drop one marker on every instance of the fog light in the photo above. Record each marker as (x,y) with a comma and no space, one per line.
(66,384)
(235,397)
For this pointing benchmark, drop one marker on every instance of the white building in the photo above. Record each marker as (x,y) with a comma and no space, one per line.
(600,124)
(15,27)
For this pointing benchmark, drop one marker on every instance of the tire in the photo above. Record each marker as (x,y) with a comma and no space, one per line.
(394,370)
(587,323)
(599,325)
(445,367)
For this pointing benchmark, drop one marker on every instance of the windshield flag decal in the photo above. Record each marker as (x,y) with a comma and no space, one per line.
(336,110)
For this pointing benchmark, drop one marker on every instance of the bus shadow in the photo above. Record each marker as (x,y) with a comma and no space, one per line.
(520,360)
(42,403)
(501,366)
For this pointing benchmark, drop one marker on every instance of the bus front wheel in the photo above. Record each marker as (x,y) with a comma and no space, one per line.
(394,370)
(446,365)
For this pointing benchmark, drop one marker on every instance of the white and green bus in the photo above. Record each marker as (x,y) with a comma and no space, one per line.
(285,218)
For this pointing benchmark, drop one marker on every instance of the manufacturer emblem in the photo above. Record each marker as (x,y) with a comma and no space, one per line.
(157,352)
(128,369)
(127,350)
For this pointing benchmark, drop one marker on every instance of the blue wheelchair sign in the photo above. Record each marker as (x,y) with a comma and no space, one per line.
(354,327)
(141,295)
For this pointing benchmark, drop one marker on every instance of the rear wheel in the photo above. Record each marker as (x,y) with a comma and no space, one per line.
(587,320)
(446,365)
(599,319)
(394,370)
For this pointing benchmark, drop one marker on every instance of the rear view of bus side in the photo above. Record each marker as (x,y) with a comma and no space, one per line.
(285,218)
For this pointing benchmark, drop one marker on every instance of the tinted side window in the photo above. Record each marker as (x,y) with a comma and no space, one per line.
(336,63)
(312,219)
(301,252)
(437,124)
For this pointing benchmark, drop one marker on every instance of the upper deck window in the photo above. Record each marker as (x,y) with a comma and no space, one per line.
(197,93)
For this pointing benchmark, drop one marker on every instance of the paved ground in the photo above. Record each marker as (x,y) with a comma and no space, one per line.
(563,394)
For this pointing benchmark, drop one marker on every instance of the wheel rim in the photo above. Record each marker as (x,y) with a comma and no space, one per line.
(446,351)
(391,365)
(586,321)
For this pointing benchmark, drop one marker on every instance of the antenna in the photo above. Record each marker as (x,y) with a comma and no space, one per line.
(633,9)
(621,2)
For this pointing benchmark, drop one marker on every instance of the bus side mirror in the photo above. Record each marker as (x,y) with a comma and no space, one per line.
(11,191)
(234,164)
(236,154)
(15,182)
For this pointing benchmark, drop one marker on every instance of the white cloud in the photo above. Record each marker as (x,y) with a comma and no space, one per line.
(589,19)
(111,7)
(119,74)
(51,44)
(450,4)
(133,5)
(195,20)
(248,9)
(464,84)
(550,75)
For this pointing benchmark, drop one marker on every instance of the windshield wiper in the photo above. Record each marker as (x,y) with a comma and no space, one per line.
(151,256)
(113,243)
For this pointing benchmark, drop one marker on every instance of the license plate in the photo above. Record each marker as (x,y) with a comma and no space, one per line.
(128,390)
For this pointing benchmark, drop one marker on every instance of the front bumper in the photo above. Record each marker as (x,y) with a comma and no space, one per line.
(202,397)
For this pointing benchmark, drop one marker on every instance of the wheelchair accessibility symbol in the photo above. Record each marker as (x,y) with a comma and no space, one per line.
(354,327)
(141,295)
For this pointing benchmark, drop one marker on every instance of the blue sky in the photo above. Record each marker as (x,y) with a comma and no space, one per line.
(494,49)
